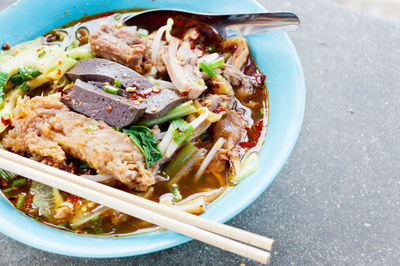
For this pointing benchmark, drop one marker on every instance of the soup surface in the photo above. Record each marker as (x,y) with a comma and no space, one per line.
(165,109)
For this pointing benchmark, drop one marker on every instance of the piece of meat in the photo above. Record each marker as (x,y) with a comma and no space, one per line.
(241,53)
(216,101)
(96,103)
(44,126)
(122,45)
(182,69)
(232,128)
(98,71)
(237,78)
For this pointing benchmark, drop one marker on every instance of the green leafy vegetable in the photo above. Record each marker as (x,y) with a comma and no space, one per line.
(110,89)
(176,193)
(181,110)
(24,74)
(206,68)
(181,130)
(146,142)
(180,159)
(3,81)
(84,166)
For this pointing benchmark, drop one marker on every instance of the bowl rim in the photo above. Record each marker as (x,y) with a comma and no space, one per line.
(28,235)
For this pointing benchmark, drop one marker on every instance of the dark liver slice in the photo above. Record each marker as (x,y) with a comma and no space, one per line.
(93,102)
(101,70)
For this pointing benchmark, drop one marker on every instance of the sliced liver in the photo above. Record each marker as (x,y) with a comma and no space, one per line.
(93,102)
(101,70)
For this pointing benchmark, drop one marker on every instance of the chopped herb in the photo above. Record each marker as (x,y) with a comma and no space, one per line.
(211,48)
(181,130)
(217,63)
(8,189)
(143,138)
(117,129)
(24,74)
(21,200)
(117,83)
(84,166)
(156,83)
(19,182)
(24,87)
(42,54)
(110,89)
(6,175)
(3,81)
(176,193)
(117,17)
(96,225)
(206,68)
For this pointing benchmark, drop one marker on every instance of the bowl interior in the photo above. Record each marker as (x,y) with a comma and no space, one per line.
(275,56)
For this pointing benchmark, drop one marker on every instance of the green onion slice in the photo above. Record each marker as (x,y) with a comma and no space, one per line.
(217,63)
(110,89)
(206,68)
(117,83)
(42,54)
(176,193)
(21,200)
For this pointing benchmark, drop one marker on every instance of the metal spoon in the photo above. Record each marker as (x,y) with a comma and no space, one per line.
(226,25)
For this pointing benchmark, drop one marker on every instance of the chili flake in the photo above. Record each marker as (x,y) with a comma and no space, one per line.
(5,121)
(6,46)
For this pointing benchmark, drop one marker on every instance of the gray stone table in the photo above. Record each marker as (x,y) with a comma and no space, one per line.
(337,200)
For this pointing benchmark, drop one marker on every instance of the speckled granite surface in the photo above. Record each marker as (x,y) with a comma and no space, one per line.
(337,199)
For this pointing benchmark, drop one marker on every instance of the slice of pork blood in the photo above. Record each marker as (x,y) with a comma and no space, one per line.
(96,103)
(156,101)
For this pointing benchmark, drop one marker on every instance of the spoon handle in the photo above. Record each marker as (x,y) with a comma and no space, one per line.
(249,24)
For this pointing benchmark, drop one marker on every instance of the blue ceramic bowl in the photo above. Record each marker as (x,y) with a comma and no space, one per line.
(275,56)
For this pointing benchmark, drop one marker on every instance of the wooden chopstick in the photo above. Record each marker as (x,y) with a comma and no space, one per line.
(141,208)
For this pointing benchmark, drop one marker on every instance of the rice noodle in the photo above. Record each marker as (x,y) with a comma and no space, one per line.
(217,146)
(155,46)
(208,58)
(186,167)
(98,177)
